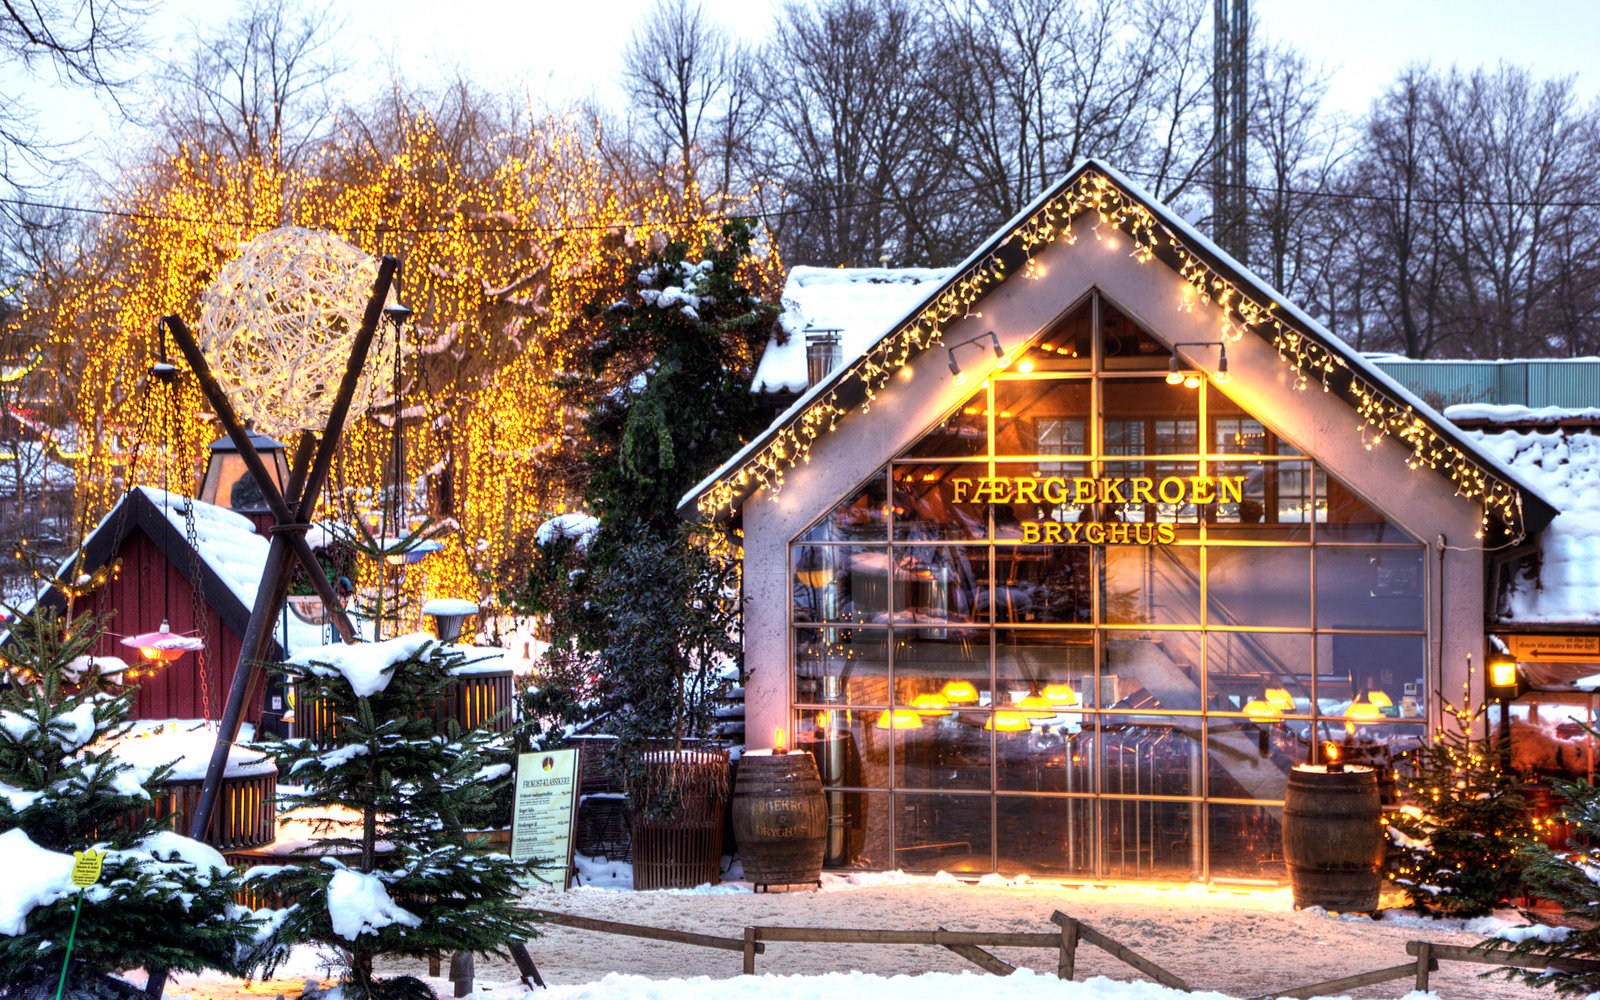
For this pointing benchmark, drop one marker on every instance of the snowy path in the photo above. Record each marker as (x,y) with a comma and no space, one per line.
(1239,944)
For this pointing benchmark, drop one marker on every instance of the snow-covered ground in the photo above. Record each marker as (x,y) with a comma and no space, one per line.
(1224,943)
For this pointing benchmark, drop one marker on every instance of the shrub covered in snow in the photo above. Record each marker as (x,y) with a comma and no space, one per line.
(393,872)
(1569,878)
(163,900)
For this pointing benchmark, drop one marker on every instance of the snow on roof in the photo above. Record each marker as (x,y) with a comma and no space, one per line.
(823,292)
(862,303)
(187,745)
(1565,466)
(1502,413)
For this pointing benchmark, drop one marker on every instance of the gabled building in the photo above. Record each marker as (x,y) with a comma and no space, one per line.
(1087,541)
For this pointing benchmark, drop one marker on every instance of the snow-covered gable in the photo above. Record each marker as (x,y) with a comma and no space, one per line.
(1564,464)
(915,324)
(227,545)
(862,303)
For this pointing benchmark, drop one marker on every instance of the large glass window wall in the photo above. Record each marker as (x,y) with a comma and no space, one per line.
(1086,625)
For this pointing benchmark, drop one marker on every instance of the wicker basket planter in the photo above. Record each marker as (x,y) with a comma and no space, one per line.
(684,850)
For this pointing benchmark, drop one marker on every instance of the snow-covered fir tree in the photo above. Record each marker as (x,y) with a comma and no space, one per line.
(414,883)
(163,901)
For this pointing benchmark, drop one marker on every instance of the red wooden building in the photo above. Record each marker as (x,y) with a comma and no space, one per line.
(197,568)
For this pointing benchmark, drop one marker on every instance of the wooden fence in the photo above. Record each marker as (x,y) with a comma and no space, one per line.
(972,945)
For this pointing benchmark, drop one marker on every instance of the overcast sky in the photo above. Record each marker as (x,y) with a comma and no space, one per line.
(559,49)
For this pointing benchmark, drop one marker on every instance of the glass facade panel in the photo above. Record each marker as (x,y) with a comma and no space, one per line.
(1039,417)
(1043,584)
(841,666)
(1370,590)
(934,501)
(951,833)
(1256,586)
(963,434)
(1088,623)
(1151,585)
(1066,346)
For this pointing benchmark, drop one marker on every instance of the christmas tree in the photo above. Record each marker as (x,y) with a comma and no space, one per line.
(1566,878)
(163,901)
(393,872)
(1456,841)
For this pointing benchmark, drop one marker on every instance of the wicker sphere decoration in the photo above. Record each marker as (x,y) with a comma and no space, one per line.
(277,324)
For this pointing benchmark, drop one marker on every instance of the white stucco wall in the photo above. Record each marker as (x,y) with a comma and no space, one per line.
(1421,501)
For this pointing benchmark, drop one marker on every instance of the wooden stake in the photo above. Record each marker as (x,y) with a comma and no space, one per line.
(1066,965)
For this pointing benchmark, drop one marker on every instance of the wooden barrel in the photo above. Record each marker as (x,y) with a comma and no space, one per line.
(1333,838)
(780,818)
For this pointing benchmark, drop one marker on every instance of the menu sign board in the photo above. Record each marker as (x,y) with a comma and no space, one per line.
(544,812)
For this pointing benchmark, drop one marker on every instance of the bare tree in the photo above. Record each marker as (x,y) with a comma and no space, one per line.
(1298,150)
(845,103)
(257,88)
(691,82)
(81,43)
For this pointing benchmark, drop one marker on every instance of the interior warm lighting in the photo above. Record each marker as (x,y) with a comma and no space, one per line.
(930,704)
(1261,709)
(1282,698)
(1380,699)
(1008,722)
(1060,694)
(1037,705)
(899,718)
(1503,672)
(959,692)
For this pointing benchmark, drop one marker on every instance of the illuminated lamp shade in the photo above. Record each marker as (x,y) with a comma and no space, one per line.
(960,692)
(1363,711)
(1024,367)
(396,555)
(1008,722)
(930,704)
(227,481)
(1379,699)
(899,718)
(1262,709)
(163,645)
(1503,672)
(1060,695)
(1036,705)
(1282,698)
(1174,376)
(1191,381)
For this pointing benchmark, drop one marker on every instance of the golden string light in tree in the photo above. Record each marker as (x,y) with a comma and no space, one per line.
(1109,209)
(508,244)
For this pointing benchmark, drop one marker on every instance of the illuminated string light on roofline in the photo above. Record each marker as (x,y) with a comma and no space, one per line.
(1109,206)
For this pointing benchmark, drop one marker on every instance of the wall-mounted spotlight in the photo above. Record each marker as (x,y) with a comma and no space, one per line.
(994,341)
(1175,375)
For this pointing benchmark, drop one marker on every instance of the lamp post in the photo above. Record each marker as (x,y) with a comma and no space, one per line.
(1504,683)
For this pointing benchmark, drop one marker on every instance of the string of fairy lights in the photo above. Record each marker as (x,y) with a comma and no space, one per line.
(1109,207)
(505,254)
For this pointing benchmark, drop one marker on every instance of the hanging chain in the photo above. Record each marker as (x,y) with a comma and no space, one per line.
(200,615)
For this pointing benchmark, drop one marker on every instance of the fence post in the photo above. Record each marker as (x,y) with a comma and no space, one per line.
(1424,960)
(1066,964)
(749,951)
(461,972)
